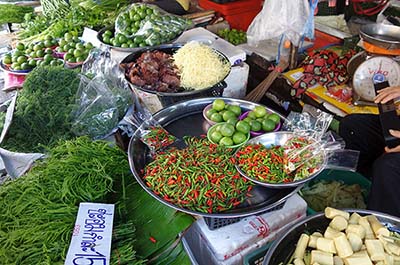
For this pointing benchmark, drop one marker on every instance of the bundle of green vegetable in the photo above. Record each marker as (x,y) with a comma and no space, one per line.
(43,109)
(38,210)
(336,194)
(10,13)
(54,8)
(37,28)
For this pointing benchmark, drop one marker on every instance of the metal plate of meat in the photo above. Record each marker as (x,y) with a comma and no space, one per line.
(185,119)
(169,49)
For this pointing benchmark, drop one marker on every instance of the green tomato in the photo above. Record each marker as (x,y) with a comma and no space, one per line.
(22,59)
(88,45)
(48,58)
(62,42)
(25,66)
(20,46)
(79,46)
(32,62)
(218,104)
(260,111)
(48,51)
(239,137)
(108,33)
(243,126)
(7,60)
(54,63)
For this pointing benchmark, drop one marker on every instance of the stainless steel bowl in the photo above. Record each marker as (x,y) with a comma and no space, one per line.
(381,35)
(280,138)
(283,247)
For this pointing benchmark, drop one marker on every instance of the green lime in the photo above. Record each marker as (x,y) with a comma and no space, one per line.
(68,56)
(108,33)
(124,45)
(106,39)
(137,17)
(260,111)
(20,46)
(80,59)
(232,121)
(32,62)
(7,60)
(226,141)
(75,39)
(239,137)
(216,117)
(215,136)
(48,51)
(38,47)
(25,66)
(227,129)
(17,68)
(18,53)
(210,112)
(235,109)
(13,65)
(14,59)
(71,60)
(48,37)
(79,46)
(228,115)
(88,45)
(243,126)
(78,53)
(48,43)
(22,59)
(39,53)
(268,125)
(48,58)
(62,42)
(252,115)
(218,104)
(274,117)
(71,50)
(255,126)
(54,63)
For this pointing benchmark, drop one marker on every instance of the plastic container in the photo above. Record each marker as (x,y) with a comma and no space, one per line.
(257,256)
(347,177)
(239,14)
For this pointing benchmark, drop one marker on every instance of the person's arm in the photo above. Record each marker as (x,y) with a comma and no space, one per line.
(384,95)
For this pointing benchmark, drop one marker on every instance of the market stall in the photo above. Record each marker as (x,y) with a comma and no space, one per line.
(133,135)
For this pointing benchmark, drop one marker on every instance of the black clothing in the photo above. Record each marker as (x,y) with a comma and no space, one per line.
(363,132)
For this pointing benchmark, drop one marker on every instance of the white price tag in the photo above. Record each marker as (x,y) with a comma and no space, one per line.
(91,238)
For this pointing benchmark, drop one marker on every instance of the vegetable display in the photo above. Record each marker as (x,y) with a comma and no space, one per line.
(55,8)
(144,25)
(43,109)
(156,138)
(334,194)
(349,239)
(278,164)
(201,177)
(75,50)
(38,210)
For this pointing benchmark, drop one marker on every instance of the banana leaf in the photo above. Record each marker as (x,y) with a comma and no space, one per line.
(157,226)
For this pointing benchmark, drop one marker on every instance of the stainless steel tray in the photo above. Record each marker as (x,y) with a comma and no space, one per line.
(185,118)
(381,35)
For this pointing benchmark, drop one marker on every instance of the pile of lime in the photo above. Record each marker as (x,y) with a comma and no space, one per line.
(229,134)
(39,49)
(262,121)
(75,50)
(234,36)
(221,111)
(143,25)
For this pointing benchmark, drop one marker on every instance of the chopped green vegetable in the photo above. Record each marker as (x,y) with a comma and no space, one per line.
(43,109)
(336,194)
(38,210)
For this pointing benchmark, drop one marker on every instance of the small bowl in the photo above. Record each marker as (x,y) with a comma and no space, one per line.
(258,133)
(278,139)
(211,130)
(73,65)
(59,54)
(207,108)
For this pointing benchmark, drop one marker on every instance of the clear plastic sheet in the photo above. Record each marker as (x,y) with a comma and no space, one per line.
(149,23)
(313,124)
(103,97)
(147,129)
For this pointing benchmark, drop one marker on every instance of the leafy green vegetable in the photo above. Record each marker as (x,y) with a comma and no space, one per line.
(54,8)
(38,210)
(10,13)
(43,109)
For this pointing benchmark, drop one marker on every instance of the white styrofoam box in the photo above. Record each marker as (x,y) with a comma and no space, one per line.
(232,52)
(226,243)
(237,81)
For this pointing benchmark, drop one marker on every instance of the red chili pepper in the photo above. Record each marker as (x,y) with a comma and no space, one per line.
(153,240)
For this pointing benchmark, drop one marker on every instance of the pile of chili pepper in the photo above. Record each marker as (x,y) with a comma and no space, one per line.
(156,137)
(270,165)
(201,177)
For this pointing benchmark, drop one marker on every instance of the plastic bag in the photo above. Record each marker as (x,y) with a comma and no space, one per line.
(314,142)
(290,18)
(103,97)
(147,129)
(149,23)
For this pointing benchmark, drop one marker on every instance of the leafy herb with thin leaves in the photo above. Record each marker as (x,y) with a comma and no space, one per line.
(43,109)
(38,210)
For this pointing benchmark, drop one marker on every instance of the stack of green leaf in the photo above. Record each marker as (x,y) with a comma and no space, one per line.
(43,109)
(38,210)
(10,13)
